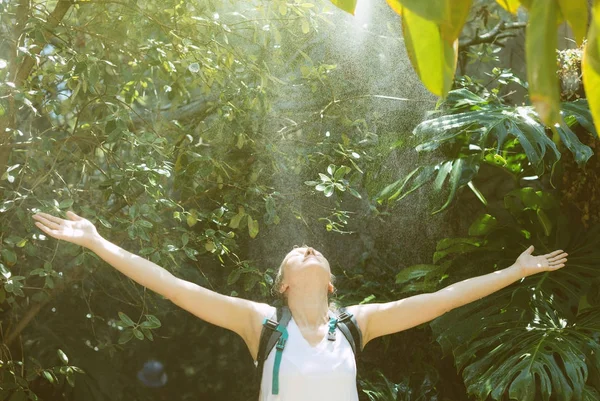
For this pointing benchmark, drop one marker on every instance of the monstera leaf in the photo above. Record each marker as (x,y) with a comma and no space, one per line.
(538,339)
(515,343)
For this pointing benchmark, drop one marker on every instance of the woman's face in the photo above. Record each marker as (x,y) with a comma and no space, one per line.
(306,263)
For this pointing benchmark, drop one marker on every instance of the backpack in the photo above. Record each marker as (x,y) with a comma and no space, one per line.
(274,333)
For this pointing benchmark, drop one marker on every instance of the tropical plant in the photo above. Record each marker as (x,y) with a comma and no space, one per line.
(534,340)
(385,390)
(431,30)
(481,129)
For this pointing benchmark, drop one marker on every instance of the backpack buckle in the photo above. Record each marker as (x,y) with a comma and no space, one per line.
(281,343)
(270,324)
(342,317)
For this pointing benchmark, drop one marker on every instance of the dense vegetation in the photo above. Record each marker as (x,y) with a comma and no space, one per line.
(210,137)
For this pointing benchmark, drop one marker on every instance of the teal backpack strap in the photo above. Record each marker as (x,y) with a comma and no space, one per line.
(272,331)
(280,346)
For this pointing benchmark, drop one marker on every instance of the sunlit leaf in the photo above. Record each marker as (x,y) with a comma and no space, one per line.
(510,5)
(454,18)
(395,5)
(432,57)
(432,10)
(590,66)
(347,5)
(581,152)
(449,15)
(483,225)
(63,357)
(576,14)
(540,50)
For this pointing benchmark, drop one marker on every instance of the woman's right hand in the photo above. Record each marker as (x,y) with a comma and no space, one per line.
(76,230)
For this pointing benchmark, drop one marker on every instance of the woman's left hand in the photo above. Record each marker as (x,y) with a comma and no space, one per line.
(527,264)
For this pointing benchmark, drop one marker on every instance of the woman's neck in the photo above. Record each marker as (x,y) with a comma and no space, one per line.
(310,309)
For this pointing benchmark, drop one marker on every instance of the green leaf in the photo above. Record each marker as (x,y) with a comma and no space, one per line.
(367,299)
(148,334)
(455,246)
(191,253)
(544,221)
(540,50)
(590,65)
(144,223)
(234,276)
(576,14)
(581,152)
(252,227)
(192,219)
(138,334)
(483,225)
(354,193)
(504,347)
(347,5)
(328,191)
(455,16)
(235,220)
(65,204)
(341,172)
(432,57)
(146,251)
(126,319)
(414,272)
(63,357)
(477,193)
(154,321)
(48,376)
(432,10)
(425,174)
(9,256)
(463,170)
(125,336)
(510,5)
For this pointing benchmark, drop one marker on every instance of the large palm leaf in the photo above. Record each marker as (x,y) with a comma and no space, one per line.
(484,135)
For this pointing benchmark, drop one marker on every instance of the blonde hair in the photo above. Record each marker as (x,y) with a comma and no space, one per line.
(279,279)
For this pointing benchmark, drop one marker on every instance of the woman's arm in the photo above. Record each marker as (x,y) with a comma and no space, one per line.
(239,315)
(376,320)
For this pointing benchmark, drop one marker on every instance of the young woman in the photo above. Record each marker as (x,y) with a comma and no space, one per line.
(312,368)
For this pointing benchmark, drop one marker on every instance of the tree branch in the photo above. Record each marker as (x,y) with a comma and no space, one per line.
(496,33)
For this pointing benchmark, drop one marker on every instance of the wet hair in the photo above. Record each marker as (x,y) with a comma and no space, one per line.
(279,280)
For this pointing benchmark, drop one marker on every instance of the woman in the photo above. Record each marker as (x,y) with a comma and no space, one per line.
(312,368)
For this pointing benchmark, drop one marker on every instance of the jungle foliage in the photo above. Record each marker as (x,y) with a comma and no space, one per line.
(436,26)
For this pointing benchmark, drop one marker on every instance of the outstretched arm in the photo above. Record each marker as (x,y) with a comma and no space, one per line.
(239,315)
(376,320)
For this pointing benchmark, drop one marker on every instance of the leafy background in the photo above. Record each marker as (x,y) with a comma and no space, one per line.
(212,137)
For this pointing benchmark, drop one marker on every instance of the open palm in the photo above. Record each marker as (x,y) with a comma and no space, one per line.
(529,264)
(76,230)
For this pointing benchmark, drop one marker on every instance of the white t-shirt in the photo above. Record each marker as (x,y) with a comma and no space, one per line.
(326,372)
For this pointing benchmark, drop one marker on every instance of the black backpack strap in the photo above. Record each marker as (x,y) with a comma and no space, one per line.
(349,327)
(283,317)
(269,337)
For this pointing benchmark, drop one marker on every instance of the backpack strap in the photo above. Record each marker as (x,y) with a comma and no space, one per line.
(349,327)
(274,333)
(272,330)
